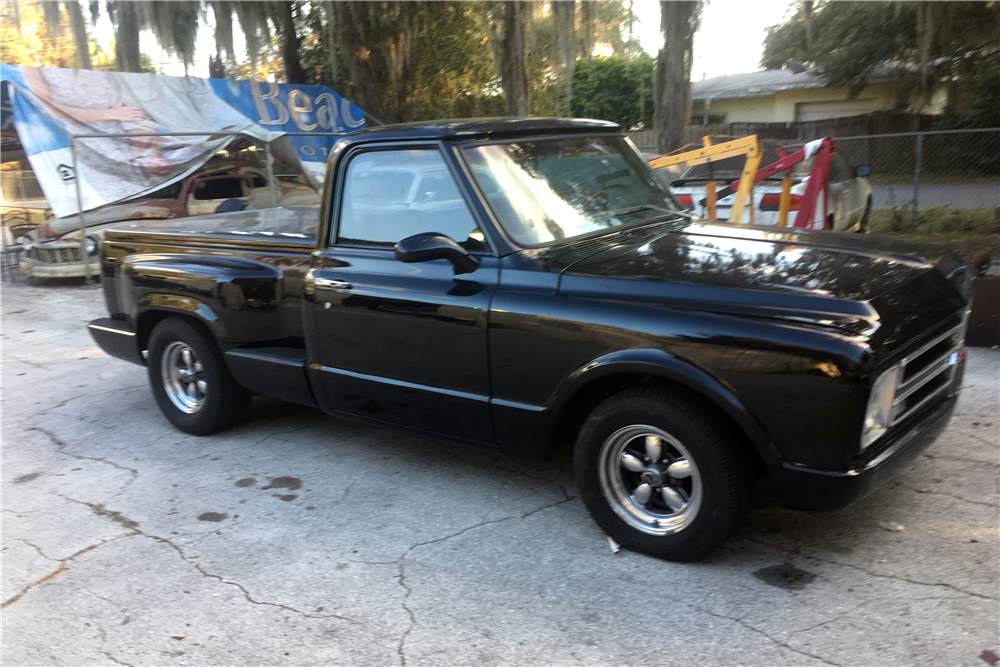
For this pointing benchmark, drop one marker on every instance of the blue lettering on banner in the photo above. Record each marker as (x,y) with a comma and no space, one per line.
(283,107)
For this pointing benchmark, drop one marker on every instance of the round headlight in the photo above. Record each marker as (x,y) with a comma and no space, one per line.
(26,247)
(91,245)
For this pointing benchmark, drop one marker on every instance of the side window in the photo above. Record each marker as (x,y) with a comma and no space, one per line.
(258,181)
(218,187)
(839,169)
(390,195)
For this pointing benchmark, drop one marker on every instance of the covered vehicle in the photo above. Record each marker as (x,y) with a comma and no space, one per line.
(53,248)
(848,207)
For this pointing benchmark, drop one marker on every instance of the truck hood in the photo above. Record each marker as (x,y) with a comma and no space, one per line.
(826,278)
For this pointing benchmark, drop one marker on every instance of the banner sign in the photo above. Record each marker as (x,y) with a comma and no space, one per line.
(48,105)
(295,108)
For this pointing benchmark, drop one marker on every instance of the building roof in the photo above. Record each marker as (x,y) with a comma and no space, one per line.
(768,82)
(753,84)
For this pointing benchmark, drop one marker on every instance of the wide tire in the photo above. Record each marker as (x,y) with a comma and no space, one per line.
(190,380)
(661,474)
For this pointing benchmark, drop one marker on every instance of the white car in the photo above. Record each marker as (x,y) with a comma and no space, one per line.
(850,195)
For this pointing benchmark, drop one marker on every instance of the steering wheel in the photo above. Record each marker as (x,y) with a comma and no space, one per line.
(604,202)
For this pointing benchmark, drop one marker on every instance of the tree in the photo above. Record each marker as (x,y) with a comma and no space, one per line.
(290,41)
(25,44)
(125,17)
(915,42)
(614,89)
(512,60)
(78,27)
(678,24)
(563,14)
(349,19)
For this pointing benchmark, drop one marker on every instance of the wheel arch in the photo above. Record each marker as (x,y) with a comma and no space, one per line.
(154,308)
(602,378)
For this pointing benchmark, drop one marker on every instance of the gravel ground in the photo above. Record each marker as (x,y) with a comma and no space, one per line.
(299,538)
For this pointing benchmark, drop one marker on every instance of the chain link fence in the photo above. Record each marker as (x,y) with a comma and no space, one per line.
(958,169)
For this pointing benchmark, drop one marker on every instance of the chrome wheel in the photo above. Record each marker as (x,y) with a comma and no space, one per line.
(649,479)
(183,377)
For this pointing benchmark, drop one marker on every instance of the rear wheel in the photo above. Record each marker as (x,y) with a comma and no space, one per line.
(190,380)
(660,475)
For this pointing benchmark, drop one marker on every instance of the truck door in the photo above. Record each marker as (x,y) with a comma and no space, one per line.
(402,343)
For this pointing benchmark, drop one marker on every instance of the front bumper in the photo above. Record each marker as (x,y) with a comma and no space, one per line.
(804,488)
(117,339)
(35,268)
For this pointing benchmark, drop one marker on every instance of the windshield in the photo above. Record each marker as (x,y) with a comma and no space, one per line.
(547,190)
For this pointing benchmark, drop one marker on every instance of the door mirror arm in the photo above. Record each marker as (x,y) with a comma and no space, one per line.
(431,245)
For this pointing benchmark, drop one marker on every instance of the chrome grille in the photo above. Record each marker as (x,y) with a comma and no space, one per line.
(55,256)
(927,373)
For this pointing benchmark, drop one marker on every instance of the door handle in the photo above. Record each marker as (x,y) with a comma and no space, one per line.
(332,283)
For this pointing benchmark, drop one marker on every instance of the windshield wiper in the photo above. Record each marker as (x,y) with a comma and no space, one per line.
(636,209)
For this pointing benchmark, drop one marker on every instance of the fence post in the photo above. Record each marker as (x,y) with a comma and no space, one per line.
(270,175)
(916,181)
(79,209)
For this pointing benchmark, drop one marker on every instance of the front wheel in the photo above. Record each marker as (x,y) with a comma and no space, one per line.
(660,475)
(190,380)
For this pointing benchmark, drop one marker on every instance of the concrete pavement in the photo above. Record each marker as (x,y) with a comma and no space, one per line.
(298,538)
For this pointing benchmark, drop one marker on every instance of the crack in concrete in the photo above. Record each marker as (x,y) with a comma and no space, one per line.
(62,448)
(133,525)
(834,619)
(401,561)
(36,548)
(244,447)
(54,407)
(950,495)
(566,494)
(116,660)
(246,593)
(62,567)
(401,647)
(876,574)
(747,625)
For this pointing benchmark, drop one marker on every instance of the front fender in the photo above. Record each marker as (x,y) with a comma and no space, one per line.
(527,430)
(662,364)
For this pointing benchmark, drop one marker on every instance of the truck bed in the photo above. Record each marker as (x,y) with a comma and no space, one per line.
(282,228)
(247,266)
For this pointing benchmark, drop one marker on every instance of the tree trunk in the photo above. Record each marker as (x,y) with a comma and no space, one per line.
(331,33)
(79,29)
(50,12)
(807,20)
(564,17)
(587,28)
(925,37)
(512,66)
(127,56)
(289,41)
(367,90)
(678,22)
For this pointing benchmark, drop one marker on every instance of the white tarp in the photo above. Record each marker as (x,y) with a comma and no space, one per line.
(49,105)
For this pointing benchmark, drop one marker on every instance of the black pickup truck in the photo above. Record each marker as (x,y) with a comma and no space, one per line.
(507,283)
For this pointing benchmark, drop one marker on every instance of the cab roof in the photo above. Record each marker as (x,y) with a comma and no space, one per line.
(470,128)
